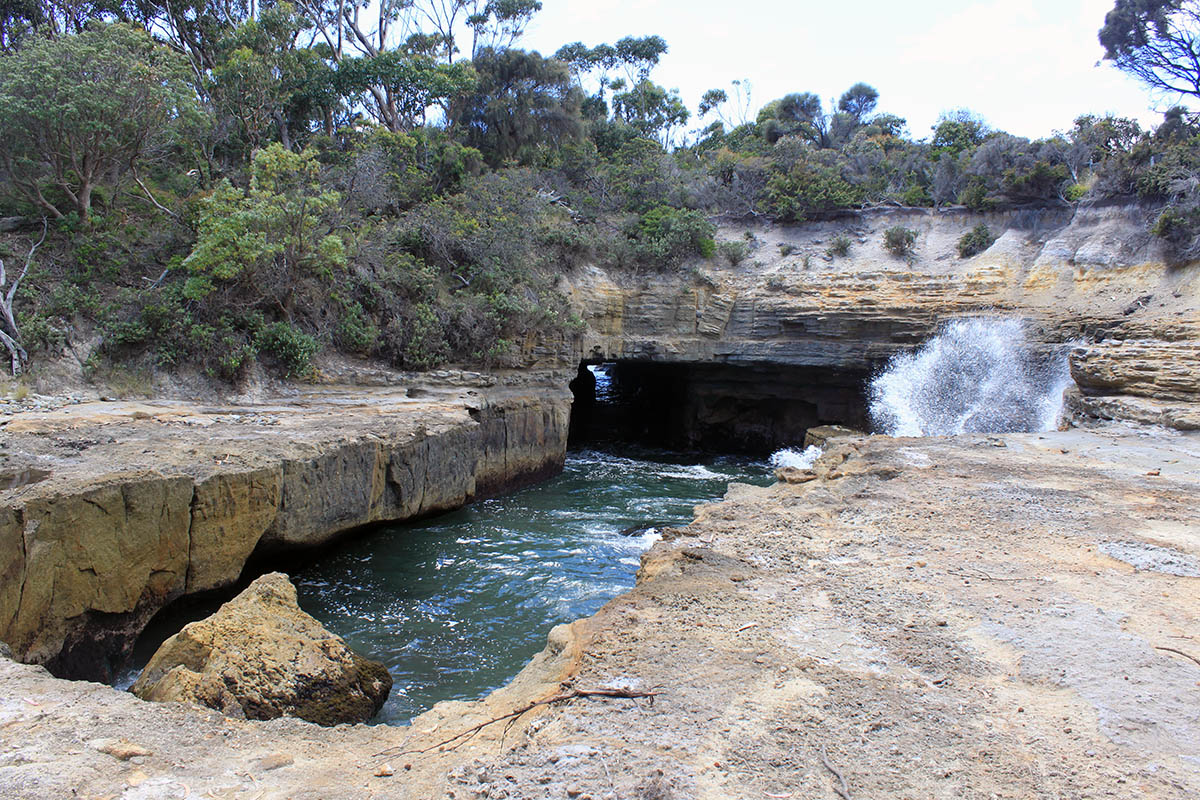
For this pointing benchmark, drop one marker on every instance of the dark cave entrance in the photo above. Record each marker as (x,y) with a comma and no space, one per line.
(751,408)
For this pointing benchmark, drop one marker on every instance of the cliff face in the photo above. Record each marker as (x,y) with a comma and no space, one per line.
(137,505)
(1092,276)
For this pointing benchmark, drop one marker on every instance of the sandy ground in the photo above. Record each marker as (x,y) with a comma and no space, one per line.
(1007,616)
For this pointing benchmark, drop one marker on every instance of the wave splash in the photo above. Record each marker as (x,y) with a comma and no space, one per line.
(975,376)
(791,457)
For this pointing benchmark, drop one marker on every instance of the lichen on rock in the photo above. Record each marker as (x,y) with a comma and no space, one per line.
(260,657)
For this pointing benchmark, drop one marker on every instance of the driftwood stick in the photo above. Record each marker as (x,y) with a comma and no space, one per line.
(844,790)
(1178,653)
(515,713)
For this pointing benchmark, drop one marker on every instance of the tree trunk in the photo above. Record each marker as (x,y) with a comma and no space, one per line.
(285,136)
(84,199)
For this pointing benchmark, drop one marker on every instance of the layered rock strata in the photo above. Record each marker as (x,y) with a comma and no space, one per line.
(813,323)
(139,504)
(261,657)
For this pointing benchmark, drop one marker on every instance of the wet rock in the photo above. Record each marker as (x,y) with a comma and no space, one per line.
(260,657)
(820,435)
(794,475)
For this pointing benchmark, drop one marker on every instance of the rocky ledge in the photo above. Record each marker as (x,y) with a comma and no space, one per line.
(1004,616)
(261,657)
(110,511)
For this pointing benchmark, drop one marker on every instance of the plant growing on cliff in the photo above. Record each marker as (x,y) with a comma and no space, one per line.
(80,112)
(270,236)
(663,237)
(900,241)
(975,241)
(839,247)
(734,252)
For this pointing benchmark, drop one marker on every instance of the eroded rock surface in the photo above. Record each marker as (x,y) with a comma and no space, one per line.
(142,503)
(261,657)
(931,618)
(813,327)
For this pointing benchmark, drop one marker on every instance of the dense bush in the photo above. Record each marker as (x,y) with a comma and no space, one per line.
(900,241)
(664,237)
(975,241)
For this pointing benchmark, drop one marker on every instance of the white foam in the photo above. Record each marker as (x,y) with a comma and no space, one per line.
(790,457)
(697,472)
(975,376)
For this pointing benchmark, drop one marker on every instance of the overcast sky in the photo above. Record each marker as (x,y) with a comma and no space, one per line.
(1028,66)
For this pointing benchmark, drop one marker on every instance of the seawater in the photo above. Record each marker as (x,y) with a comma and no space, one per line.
(976,375)
(456,605)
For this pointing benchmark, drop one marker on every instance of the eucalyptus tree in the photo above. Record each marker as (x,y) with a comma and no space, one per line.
(521,101)
(51,18)
(397,58)
(654,112)
(858,101)
(1157,42)
(82,111)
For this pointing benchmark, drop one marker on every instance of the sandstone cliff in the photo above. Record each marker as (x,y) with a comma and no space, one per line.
(1092,276)
(134,505)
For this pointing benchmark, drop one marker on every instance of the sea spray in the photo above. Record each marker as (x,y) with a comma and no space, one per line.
(976,375)
(800,459)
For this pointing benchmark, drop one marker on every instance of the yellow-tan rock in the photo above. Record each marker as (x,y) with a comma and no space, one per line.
(261,657)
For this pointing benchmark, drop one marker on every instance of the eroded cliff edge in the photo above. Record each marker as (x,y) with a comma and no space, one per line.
(1001,616)
(792,320)
(110,511)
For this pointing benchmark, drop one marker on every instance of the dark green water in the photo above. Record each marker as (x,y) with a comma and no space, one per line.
(455,606)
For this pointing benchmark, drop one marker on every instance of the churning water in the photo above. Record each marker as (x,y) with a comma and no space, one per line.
(455,606)
(793,457)
(975,376)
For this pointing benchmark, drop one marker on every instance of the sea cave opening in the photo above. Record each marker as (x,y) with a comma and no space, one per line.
(744,408)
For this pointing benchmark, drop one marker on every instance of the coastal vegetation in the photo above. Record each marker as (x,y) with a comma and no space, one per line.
(229,184)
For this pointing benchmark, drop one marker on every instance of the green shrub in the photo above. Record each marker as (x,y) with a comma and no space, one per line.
(423,340)
(734,252)
(356,332)
(839,247)
(288,345)
(976,197)
(1177,227)
(975,241)
(916,195)
(277,230)
(786,249)
(665,236)
(1075,192)
(809,190)
(900,241)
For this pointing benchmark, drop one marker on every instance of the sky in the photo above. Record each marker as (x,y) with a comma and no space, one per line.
(1028,67)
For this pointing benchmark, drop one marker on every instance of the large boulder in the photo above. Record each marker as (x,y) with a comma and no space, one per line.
(260,657)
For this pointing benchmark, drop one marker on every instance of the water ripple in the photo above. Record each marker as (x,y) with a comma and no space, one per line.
(456,605)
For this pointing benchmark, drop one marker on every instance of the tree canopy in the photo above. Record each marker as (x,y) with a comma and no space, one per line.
(1157,42)
(79,111)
